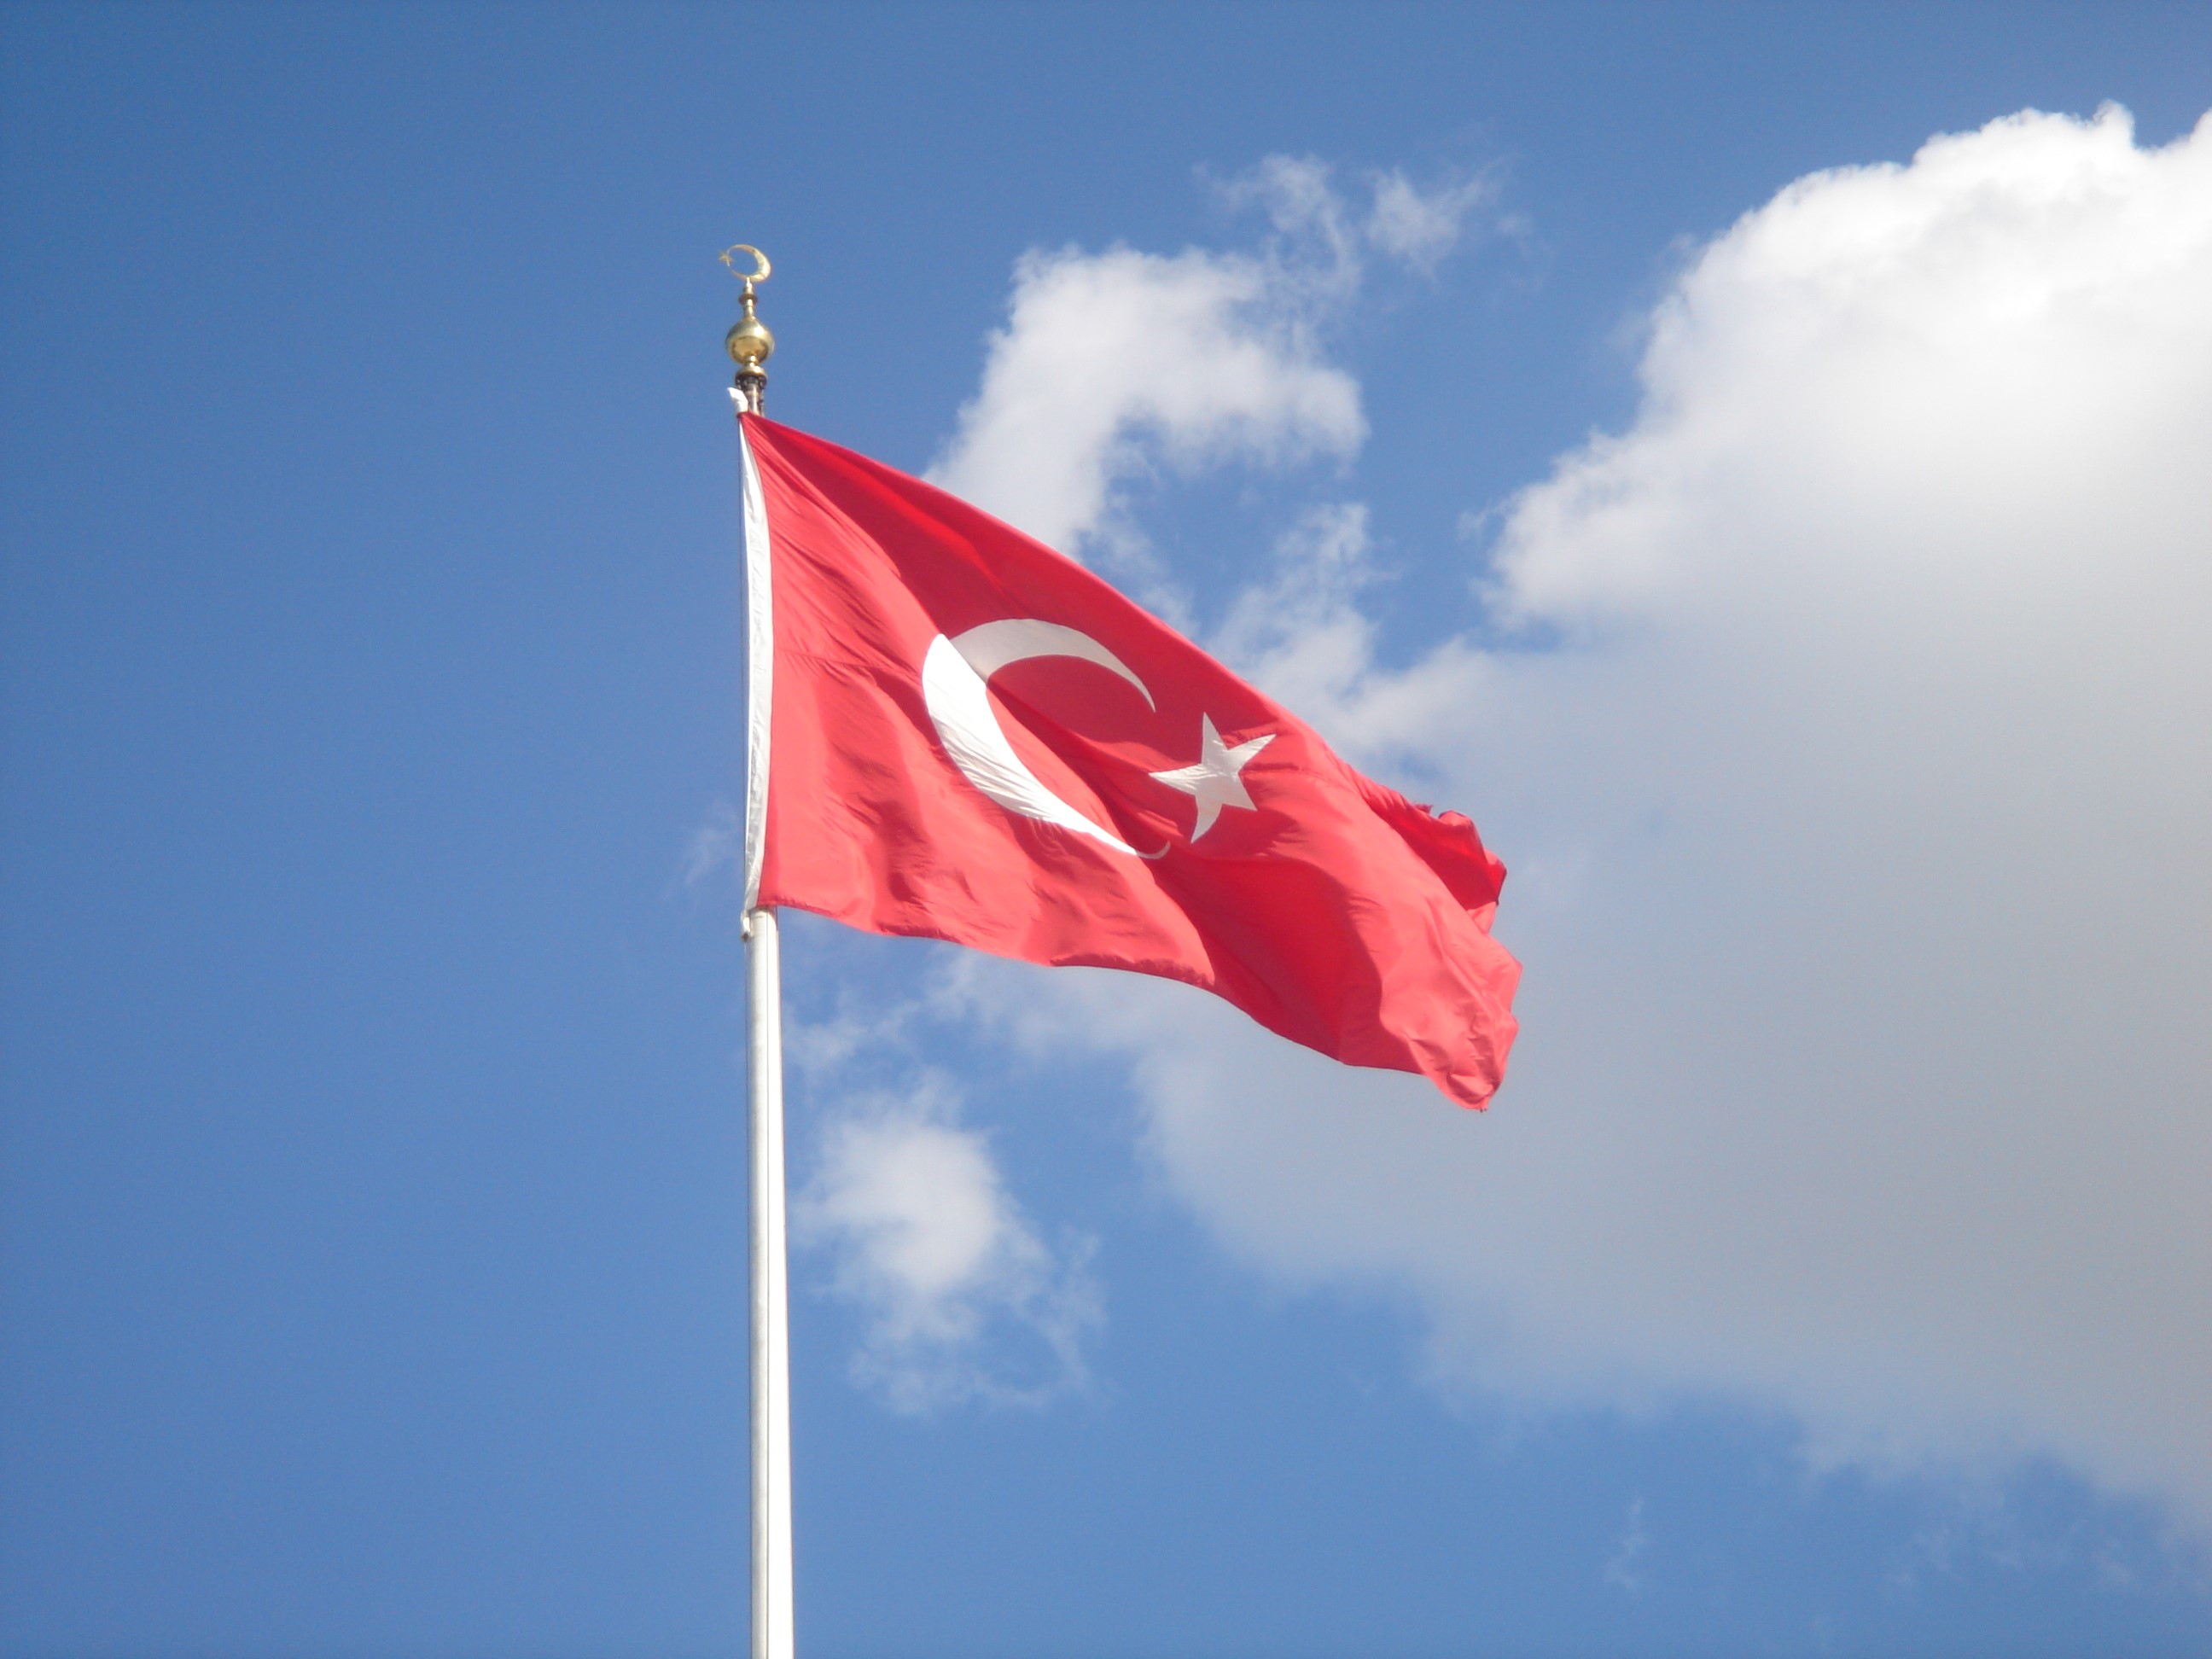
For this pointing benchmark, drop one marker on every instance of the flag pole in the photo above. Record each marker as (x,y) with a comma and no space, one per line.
(749,344)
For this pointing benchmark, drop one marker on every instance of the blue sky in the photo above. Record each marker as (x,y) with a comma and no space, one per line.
(1828,1278)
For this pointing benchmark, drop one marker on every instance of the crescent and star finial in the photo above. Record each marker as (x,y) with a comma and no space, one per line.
(761,270)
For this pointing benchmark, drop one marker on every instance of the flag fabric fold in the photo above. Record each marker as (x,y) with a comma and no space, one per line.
(959,733)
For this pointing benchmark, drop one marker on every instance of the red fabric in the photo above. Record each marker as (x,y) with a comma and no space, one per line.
(1333,910)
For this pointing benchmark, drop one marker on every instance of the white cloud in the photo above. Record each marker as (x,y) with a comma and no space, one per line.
(1113,364)
(1108,360)
(1859,828)
(950,1278)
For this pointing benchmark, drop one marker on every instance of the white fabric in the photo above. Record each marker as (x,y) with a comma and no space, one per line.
(760,666)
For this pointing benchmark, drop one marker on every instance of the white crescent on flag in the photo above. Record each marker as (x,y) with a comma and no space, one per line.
(955,676)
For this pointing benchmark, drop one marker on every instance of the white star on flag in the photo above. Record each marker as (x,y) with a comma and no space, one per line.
(1213,781)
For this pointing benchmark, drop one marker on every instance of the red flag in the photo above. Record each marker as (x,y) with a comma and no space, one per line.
(959,733)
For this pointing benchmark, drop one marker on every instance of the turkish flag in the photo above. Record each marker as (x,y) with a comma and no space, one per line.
(959,733)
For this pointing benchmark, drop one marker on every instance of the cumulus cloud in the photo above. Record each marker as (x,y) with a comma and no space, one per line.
(953,1283)
(1112,364)
(1111,359)
(1857,796)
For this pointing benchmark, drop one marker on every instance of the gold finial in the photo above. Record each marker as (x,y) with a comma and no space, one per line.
(750,343)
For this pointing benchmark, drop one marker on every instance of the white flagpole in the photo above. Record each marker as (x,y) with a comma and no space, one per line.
(749,344)
(771,1322)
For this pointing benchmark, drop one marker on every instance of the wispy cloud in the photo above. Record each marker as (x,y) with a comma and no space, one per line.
(1623,1568)
(1420,229)
(1327,236)
(718,844)
(960,1299)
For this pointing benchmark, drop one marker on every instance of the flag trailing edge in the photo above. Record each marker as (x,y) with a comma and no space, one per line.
(957,732)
